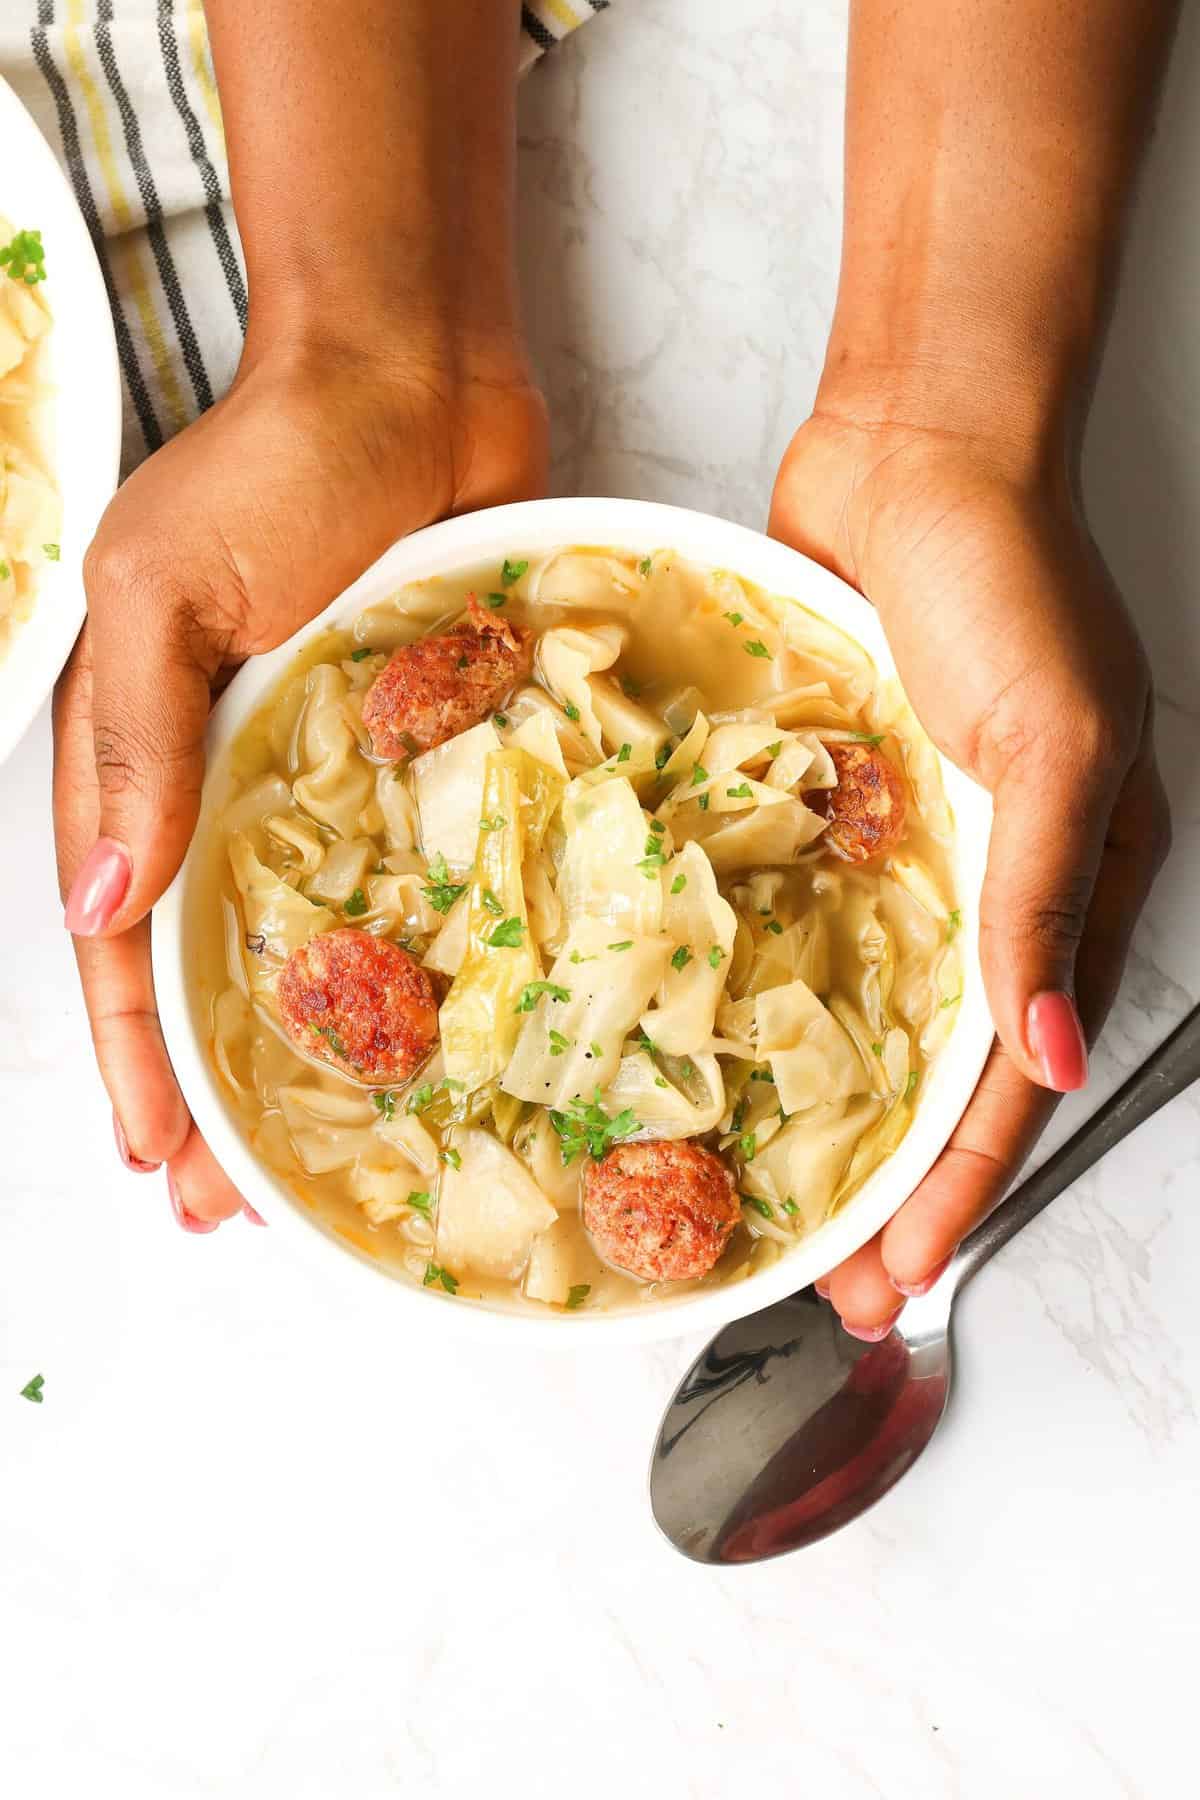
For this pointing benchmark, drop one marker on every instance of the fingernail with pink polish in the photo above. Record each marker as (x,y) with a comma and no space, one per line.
(98,889)
(254,1218)
(187,1220)
(918,1288)
(126,1154)
(822,1288)
(872,1334)
(1057,1041)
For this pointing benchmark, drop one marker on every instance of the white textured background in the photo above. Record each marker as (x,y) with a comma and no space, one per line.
(253,1545)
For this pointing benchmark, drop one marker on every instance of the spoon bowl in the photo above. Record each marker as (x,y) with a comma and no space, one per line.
(786,1428)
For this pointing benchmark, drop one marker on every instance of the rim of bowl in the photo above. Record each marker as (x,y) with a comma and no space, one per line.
(85,452)
(539,526)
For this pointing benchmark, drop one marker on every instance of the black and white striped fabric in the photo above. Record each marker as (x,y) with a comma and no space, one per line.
(125,94)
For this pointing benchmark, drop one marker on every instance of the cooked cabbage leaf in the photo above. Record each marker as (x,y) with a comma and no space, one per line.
(806,1160)
(448,788)
(811,1056)
(489,1210)
(272,910)
(602,874)
(661,1107)
(566,656)
(335,782)
(701,925)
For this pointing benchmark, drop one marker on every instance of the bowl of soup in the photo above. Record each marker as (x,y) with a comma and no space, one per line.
(580,929)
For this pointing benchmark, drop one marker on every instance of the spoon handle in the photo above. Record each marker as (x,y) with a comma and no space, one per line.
(1172,1068)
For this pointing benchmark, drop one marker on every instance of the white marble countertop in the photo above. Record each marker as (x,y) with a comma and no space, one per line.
(251,1545)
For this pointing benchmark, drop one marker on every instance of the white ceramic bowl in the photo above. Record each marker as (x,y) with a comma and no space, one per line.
(85,409)
(540,526)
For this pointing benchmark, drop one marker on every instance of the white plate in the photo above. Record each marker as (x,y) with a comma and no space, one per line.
(539,526)
(85,409)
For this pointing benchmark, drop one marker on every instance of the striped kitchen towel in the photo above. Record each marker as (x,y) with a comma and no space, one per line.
(124,92)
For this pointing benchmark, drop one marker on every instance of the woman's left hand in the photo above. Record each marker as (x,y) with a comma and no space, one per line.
(1024,668)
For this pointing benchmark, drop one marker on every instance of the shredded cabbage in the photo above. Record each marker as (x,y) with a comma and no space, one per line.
(811,1056)
(701,926)
(610,869)
(448,787)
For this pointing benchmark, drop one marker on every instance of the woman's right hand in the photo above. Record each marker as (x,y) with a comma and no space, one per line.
(221,546)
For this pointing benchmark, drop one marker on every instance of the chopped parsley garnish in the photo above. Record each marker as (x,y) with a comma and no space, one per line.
(953,925)
(422,1203)
(662,755)
(53,552)
(739,1113)
(748,1144)
(558,1043)
(490,903)
(497,822)
(385,1105)
(572,711)
(773,750)
(876,1049)
(950,1000)
(441,892)
(660,1082)
(762,1075)
(911,1083)
(687,1068)
(501,720)
(625,944)
(741,792)
(698,775)
(646,1043)
(716,957)
(594,1049)
(33,1389)
(624,753)
(735,618)
(362,654)
(681,958)
(512,571)
(756,647)
(577,957)
(679,883)
(585,1126)
(577,1295)
(24,258)
(508,935)
(420,1098)
(464,662)
(533,990)
(758,1203)
(865,737)
(356,905)
(704,800)
(773,926)
(630,687)
(496,601)
(657,827)
(453,1158)
(644,566)
(435,1273)
(790,1207)
(5,571)
(451,1086)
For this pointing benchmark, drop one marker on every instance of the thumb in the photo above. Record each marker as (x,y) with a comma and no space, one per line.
(1047,841)
(150,700)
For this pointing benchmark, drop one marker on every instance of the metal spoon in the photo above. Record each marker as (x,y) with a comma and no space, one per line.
(787,1428)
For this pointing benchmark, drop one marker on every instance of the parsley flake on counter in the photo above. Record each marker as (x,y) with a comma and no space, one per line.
(512,571)
(756,647)
(33,1389)
(577,1295)
(585,1126)
(356,905)
(508,935)
(24,258)
(681,958)
(532,992)
(434,1274)
(441,892)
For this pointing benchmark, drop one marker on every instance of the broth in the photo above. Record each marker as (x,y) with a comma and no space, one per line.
(658,758)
